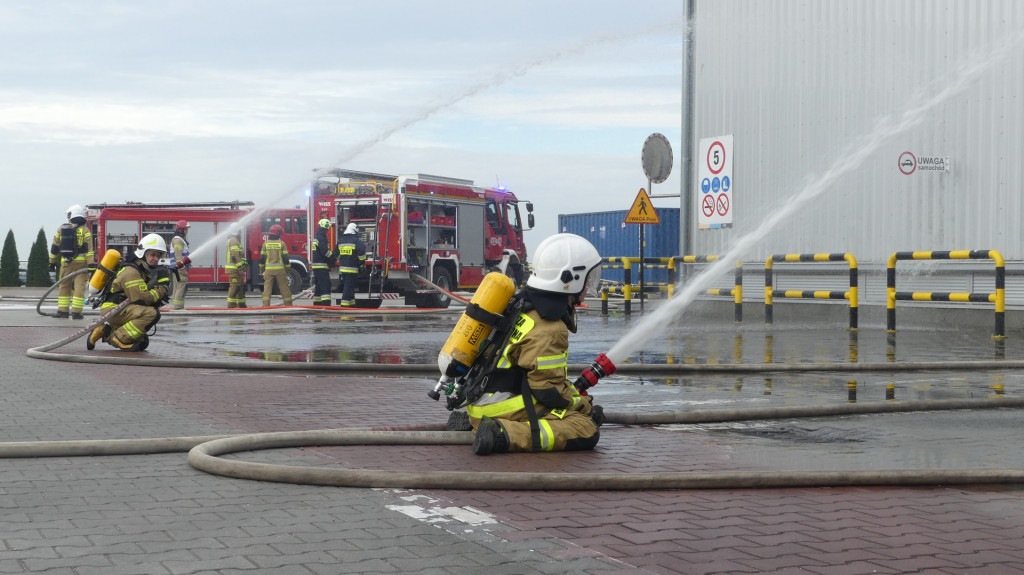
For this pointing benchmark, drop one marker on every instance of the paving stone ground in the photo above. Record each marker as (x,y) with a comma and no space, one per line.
(155,514)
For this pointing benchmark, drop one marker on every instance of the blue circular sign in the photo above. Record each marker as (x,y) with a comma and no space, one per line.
(705,185)
(726,183)
(716,184)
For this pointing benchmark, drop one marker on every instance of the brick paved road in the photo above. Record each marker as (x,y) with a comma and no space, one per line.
(155,514)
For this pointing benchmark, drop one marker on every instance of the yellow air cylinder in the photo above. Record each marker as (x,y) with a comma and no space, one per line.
(104,272)
(464,344)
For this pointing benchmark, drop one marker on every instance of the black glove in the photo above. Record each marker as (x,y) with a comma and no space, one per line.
(160,276)
(53,267)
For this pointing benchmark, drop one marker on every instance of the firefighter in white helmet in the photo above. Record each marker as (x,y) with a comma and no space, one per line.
(235,265)
(72,250)
(145,283)
(529,404)
(351,255)
(179,251)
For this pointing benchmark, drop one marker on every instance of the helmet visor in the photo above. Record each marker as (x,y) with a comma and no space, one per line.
(592,286)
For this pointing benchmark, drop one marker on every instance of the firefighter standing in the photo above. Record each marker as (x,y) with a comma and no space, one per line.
(143,282)
(72,249)
(322,260)
(179,251)
(235,267)
(274,265)
(534,363)
(351,255)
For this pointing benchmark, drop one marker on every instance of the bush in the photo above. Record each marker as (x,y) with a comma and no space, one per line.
(9,262)
(38,272)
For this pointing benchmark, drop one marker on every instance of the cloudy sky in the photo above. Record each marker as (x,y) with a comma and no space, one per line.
(188,100)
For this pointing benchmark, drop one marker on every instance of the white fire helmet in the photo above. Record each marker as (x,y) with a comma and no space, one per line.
(565,263)
(76,212)
(352,228)
(151,242)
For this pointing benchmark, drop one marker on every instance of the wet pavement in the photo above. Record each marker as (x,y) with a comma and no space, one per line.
(155,514)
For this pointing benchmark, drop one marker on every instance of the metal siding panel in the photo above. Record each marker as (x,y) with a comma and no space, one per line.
(797,83)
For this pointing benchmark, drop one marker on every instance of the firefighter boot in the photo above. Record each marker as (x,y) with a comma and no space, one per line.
(597,415)
(77,315)
(61,314)
(458,421)
(101,332)
(490,437)
(143,343)
(122,344)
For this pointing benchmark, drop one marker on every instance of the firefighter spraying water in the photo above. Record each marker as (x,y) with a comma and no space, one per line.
(506,359)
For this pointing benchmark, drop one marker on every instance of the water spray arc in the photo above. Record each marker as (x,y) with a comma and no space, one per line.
(855,155)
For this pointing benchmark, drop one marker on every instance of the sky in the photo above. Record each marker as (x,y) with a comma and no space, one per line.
(186,100)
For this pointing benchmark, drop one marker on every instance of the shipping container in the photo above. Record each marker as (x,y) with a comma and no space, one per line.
(613,238)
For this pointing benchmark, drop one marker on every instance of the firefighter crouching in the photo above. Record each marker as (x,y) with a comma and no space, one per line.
(534,363)
(145,283)
(351,255)
(274,266)
(179,252)
(72,249)
(235,266)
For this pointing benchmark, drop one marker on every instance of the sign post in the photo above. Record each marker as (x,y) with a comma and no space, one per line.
(656,157)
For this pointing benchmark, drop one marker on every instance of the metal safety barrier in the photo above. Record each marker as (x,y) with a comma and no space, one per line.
(850,295)
(736,292)
(999,297)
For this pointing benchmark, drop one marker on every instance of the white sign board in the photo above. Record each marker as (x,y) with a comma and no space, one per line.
(714,182)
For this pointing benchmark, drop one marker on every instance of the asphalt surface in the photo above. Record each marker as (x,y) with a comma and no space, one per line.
(156,514)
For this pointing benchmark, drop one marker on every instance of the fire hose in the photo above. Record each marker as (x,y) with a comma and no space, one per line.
(204,451)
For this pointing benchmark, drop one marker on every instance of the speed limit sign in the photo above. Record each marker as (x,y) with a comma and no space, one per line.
(714,182)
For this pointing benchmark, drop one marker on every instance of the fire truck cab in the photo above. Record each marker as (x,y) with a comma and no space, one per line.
(446,230)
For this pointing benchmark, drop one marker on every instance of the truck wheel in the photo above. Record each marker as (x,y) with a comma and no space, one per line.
(443,279)
(294,280)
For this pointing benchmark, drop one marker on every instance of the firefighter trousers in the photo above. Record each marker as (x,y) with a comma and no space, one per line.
(71,294)
(180,288)
(574,431)
(348,288)
(277,278)
(132,323)
(322,286)
(236,289)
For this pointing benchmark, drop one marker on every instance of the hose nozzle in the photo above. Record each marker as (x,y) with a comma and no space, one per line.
(184,261)
(601,367)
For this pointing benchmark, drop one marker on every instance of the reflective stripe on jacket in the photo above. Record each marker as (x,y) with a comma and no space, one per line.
(83,239)
(274,255)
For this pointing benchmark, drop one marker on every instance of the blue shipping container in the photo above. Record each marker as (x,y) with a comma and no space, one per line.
(612,238)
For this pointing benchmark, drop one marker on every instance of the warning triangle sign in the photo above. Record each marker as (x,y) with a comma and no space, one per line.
(642,211)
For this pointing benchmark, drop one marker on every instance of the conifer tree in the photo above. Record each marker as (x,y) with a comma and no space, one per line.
(9,262)
(38,272)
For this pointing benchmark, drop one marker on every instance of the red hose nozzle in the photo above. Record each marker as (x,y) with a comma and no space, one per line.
(601,367)
(183,262)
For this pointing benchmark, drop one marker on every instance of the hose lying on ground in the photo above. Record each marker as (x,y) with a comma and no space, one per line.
(204,452)
(54,286)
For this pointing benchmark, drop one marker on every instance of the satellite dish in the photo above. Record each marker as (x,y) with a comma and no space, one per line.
(657,158)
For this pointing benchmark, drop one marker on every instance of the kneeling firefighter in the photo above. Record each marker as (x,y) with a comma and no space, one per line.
(528,403)
(145,283)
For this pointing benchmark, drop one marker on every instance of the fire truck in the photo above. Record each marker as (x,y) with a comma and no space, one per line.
(120,226)
(445,230)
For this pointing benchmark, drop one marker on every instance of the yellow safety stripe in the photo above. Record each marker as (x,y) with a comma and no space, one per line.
(134,283)
(495,409)
(133,331)
(547,436)
(552,361)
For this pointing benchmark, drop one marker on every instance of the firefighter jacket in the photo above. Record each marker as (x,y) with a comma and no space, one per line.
(80,251)
(538,351)
(322,254)
(235,256)
(351,253)
(179,250)
(137,284)
(273,255)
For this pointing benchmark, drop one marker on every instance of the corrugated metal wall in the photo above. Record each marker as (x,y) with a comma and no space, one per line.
(808,87)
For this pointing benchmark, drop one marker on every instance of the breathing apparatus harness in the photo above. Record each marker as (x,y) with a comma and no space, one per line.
(69,247)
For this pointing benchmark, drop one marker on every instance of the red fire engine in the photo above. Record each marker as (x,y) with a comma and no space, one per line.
(119,227)
(446,230)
